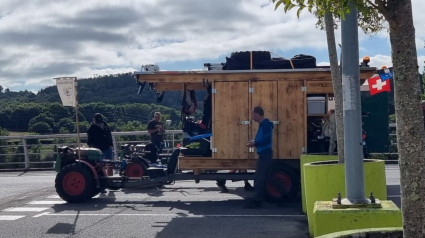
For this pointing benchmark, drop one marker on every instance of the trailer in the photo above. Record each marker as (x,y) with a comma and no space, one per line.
(292,98)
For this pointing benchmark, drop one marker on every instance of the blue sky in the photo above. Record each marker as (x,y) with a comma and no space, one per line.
(82,38)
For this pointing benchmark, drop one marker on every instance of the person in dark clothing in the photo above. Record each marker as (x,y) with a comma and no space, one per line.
(263,142)
(156,130)
(99,136)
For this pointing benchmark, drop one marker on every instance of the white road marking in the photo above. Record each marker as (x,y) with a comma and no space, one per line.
(10,218)
(41,214)
(46,202)
(57,197)
(163,215)
(54,197)
(26,209)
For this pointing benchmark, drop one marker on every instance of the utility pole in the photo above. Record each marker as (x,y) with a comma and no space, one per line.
(354,171)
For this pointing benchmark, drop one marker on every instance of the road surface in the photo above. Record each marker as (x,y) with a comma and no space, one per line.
(29,207)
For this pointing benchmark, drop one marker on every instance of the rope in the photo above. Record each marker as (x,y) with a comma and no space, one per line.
(292,65)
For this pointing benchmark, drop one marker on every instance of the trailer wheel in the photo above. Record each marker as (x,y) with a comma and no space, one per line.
(135,169)
(282,184)
(74,183)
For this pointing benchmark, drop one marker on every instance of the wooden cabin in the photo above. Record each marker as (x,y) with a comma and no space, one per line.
(282,93)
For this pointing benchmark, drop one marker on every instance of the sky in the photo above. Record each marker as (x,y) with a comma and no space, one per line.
(44,39)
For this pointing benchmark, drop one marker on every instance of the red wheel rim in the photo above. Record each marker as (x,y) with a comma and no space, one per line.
(74,183)
(284,179)
(134,170)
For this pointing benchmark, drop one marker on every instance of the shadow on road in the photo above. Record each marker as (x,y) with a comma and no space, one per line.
(189,227)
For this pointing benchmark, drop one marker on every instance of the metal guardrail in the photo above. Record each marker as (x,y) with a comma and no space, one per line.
(171,139)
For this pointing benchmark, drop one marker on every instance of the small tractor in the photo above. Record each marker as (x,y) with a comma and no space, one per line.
(81,179)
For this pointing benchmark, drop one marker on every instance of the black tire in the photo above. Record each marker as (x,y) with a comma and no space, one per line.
(282,184)
(246,55)
(304,61)
(75,183)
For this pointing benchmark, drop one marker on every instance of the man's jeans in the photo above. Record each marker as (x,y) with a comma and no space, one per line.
(263,165)
(106,155)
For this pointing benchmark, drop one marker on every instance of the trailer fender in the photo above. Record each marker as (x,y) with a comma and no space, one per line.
(96,177)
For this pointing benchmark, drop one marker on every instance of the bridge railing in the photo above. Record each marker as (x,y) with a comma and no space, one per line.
(39,151)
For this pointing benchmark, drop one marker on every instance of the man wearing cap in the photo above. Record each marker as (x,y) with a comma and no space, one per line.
(100,137)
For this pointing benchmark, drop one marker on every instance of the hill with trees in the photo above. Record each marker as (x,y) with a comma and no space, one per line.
(114,96)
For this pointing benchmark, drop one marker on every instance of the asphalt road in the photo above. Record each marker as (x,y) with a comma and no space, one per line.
(29,207)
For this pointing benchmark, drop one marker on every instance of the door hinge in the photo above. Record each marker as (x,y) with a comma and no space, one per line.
(214,150)
(214,90)
(303,150)
(304,89)
(275,122)
(251,149)
(244,122)
(251,90)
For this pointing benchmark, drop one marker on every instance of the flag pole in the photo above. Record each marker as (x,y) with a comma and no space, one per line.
(76,117)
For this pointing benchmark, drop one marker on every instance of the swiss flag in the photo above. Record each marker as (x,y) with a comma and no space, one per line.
(376,85)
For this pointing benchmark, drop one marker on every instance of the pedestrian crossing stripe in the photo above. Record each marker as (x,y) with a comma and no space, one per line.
(25,209)
(46,202)
(10,218)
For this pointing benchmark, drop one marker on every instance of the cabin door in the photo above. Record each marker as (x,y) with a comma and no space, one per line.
(264,94)
(231,120)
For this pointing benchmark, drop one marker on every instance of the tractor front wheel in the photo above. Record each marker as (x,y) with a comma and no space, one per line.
(75,183)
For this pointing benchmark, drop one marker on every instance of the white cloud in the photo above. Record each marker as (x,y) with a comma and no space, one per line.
(86,37)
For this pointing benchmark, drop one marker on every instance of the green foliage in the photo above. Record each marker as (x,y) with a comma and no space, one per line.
(3,132)
(392,118)
(83,126)
(369,18)
(43,117)
(115,98)
(65,124)
(41,128)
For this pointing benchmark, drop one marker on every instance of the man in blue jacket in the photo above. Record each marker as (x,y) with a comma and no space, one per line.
(263,143)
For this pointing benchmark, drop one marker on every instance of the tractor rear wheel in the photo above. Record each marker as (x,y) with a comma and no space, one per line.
(75,183)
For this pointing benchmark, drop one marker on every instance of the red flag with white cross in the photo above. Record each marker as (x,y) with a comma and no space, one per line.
(376,85)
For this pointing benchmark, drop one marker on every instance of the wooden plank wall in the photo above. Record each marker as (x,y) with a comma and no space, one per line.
(231,107)
(292,119)
(265,95)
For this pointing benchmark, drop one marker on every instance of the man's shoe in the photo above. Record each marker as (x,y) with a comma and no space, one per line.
(248,187)
(253,204)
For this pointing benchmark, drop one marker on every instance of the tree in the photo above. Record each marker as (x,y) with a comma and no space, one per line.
(44,117)
(325,10)
(407,97)
(3,150)
(66,123)
(41,128)
(1,89)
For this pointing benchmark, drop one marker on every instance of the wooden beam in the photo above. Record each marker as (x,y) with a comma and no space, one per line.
(246,75)
(319,87)
(178,86)
(192,163)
